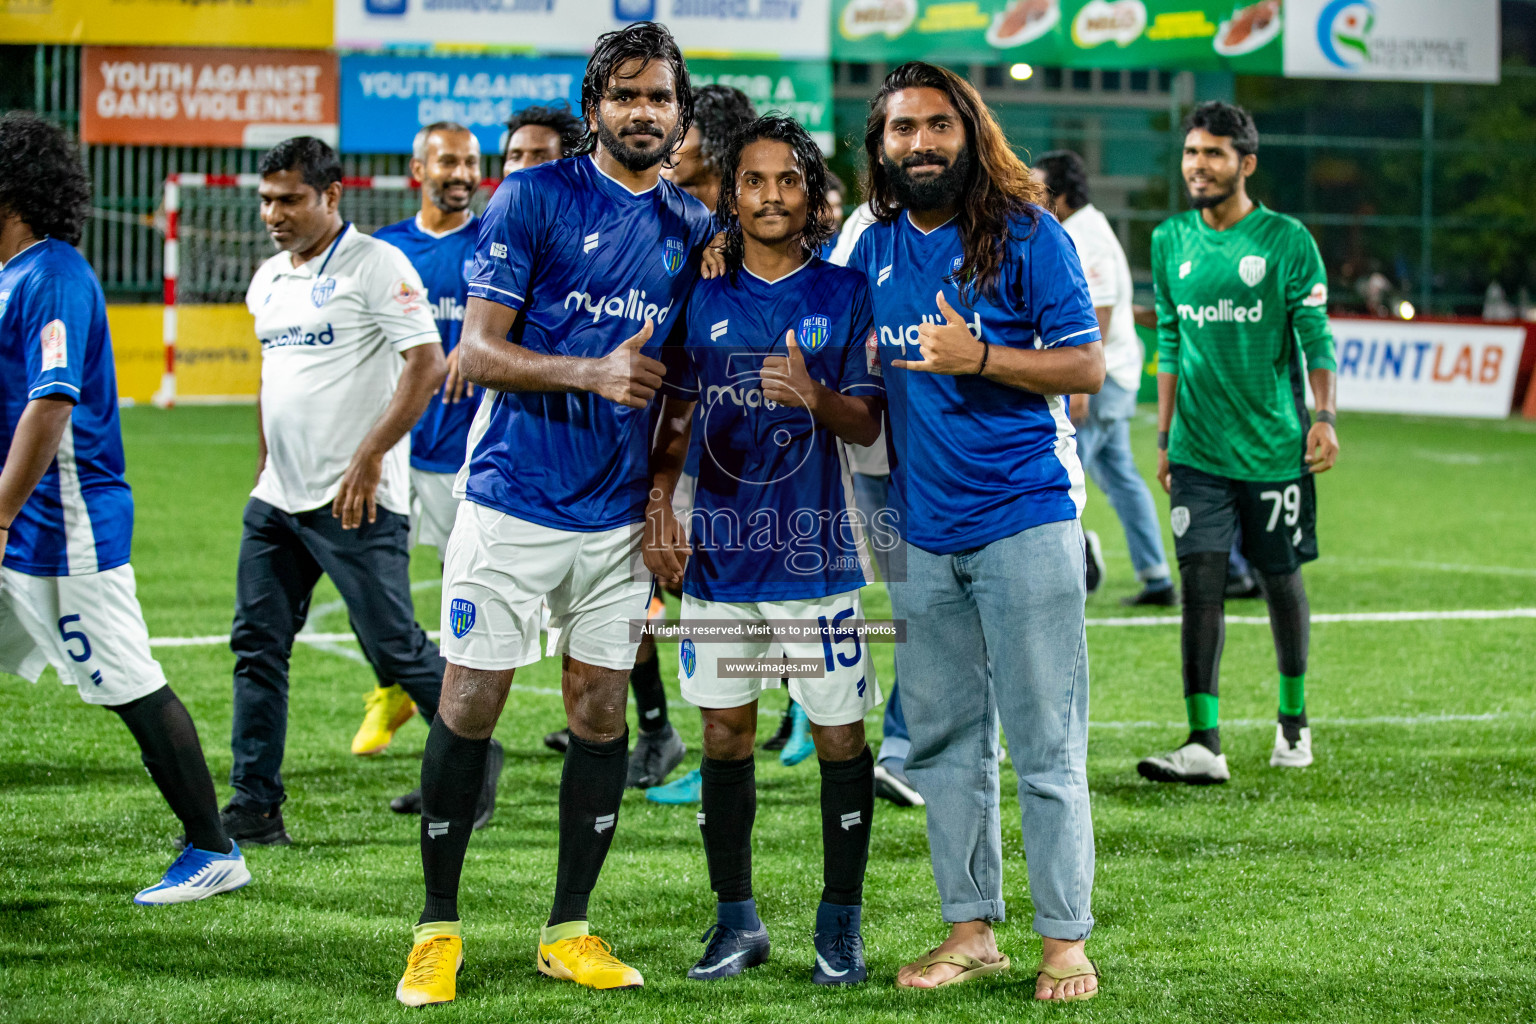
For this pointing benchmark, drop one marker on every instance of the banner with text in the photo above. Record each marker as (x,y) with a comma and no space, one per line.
(386,100)
(1427,368)
(1385,40)
(176,96)
(800,88)
(282,23)
(770,28)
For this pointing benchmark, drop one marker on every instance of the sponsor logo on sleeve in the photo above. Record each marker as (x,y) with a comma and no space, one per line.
(498,251)
(55,345)
(461,616)
(1318,296)
(813,331)
(406,295)
(672,252)
(1252,269)
(872,353)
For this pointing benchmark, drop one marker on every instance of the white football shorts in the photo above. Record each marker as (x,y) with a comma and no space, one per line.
(845,694)
(433,508)
(499,569)
(89,628)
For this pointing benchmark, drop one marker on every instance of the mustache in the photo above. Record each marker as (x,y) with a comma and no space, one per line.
(924,160)
(770,211)
(643,129)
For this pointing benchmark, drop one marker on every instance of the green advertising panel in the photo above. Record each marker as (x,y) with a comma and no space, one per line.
(1194,35)
(800,88)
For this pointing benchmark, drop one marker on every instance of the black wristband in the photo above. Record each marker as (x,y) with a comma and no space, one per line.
(986,352)
(1327,416)
(1162,440)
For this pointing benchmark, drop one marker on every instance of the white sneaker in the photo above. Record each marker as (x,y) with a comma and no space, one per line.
(196,875)
(1291,755)
(1192,763)
(1094,552)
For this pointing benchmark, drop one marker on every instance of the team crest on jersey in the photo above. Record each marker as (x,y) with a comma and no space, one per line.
(320,293)
(688,657)
(813,330)
(672,250)
(956,263)
(1251,269)
(461,616)
(1179,520)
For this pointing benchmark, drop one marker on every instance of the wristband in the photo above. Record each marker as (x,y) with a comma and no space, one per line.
(986,351)
(1162,440)
(1327,416)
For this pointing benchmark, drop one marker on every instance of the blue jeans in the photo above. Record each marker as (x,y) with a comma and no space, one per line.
(1014,609)
(1104,446)
(869,494)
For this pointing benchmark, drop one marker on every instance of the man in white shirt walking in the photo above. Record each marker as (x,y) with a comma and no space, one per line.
(1103,421)
(350,358)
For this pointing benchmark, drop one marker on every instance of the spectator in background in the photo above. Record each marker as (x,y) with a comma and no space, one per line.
(695,168)
(537,135)
(1103,420)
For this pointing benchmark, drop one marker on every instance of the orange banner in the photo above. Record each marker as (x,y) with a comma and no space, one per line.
(205,97)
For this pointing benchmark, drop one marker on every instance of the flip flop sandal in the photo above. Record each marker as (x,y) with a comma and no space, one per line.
(971,967)
(1087,970)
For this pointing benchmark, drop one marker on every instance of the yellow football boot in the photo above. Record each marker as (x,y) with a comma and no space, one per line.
(585,959)
(386,709)
(432,971)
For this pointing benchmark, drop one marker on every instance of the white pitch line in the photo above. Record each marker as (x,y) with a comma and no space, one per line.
(1248,723)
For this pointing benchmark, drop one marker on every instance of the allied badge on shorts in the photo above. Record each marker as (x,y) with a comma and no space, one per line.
(461,616)
(672,251)
(688,657)
(1179,520)
(322,290)
(813,331)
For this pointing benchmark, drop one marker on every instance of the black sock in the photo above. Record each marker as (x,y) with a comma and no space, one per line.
(1201,639)
(847,807)
(452,769)
(1290,623)
(591,788)
(650,695)
(171,752)
(729,809)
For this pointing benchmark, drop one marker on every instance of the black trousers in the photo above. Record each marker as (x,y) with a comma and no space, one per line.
(282,557)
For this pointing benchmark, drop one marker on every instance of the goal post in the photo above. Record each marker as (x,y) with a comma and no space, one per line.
(215,240)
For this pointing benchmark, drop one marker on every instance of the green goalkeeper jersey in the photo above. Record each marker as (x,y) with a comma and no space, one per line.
(1235,311)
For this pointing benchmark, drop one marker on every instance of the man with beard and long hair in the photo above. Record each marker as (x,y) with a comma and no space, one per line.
(1242,296)
(984,324)
(579,269)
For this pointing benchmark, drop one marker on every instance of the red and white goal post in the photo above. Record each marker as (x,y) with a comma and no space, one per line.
(214,239)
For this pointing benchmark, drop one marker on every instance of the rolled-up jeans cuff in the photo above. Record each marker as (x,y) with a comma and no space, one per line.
(984,910)
(894,748)
(1153,573)
(1064,931)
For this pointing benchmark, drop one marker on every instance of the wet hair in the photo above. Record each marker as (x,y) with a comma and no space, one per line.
(42,180)
(1065,176)
(998,187)
(1228,121)
(314,160)
(644,41)
(719,111)
(813,172)
(557,118)
(419,144)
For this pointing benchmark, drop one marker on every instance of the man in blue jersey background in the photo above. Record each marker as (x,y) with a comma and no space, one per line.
(773,356)
(538,134)
(67,591)
(984,323)
(580,269)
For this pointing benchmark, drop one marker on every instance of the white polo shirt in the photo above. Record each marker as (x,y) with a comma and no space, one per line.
(873,460)
(332,332)
(1109,284)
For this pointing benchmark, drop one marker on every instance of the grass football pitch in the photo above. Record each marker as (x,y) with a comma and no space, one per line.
(1393,881)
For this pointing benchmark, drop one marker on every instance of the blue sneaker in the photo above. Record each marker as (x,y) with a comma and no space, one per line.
(197,874)
(687,790)
(839,946)
(800,745)
(729,951)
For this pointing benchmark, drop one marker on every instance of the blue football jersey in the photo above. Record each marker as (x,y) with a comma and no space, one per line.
(587,262)
(54,341)
(439,439)
(770,515)
(973,461)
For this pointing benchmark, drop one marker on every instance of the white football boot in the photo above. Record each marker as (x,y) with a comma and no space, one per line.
(1291,755)
(1192,763)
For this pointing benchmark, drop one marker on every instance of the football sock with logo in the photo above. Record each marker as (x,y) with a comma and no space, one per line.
(650,694)
(172,754)
(725,820)
(1290,623)
(452,769)
(847,808)
(591,787)
(1201,638)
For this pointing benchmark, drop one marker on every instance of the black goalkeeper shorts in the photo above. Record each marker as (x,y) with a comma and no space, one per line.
(1279,520)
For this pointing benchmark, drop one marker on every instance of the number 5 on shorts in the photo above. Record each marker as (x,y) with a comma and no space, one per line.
(70,635)
(1289,499)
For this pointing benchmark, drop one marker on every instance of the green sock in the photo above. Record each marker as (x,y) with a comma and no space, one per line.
(1201,708)
(1293,696)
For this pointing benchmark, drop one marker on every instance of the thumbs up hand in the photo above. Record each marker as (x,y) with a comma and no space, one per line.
(947,348)
(786,380)
(626,375)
